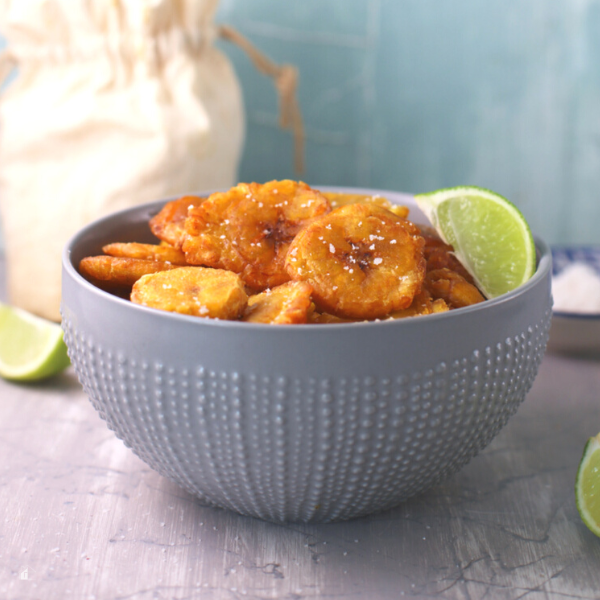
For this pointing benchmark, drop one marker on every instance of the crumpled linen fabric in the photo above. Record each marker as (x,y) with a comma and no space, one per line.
(116,103)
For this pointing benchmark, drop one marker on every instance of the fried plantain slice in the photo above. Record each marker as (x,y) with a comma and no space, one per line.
(197,291)
(286,304)
(422,304)
(452,287)
(119,271)
(337,199)
(146,251)
(440,255)
(168,224)
(441,258)
(248,229)
(323,318)
(362,261)
(439,305)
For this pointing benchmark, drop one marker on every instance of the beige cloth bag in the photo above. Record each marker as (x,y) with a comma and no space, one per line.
(117,102)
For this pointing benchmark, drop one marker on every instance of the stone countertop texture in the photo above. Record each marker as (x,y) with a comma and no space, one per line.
(84,518)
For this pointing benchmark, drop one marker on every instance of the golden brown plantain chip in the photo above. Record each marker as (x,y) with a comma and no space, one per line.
(440,258)
(168,224)
(439,306)
(285,304)
(362,261)
(451,287)
(249,228)
(422,304)
(338,199)
(440,255)
(162,253)
(119,271)
(322,318)
(197,291)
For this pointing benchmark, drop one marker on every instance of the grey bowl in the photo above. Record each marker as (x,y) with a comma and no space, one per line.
(308,423)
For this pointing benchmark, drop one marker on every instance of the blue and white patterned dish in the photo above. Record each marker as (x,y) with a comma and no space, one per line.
(563,256)
(575,332)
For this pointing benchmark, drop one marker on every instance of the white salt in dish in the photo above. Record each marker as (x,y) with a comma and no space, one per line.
(576,293)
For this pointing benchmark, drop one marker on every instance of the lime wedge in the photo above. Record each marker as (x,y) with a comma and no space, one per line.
(587,485)
(490,236)
(31,348)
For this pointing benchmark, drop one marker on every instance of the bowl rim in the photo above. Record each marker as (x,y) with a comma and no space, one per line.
(543,270)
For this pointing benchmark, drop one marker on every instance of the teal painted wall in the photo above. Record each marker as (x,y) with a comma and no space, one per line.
(415,95)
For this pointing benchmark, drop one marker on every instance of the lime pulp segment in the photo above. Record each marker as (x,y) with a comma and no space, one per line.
(31,348)
(489,234)
(587,485)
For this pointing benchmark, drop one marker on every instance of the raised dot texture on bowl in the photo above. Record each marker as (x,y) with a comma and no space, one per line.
(301,423)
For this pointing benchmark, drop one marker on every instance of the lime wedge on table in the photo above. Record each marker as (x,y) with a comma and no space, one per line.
(587,485)
(490,236)
(30,348)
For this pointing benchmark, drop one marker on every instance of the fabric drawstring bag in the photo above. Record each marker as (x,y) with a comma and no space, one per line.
(116,103)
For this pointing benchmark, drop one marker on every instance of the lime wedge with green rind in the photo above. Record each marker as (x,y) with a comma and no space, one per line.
(31,348)
(587,485)
(490,236)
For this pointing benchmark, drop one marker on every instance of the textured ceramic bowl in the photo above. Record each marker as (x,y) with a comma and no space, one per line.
(303,422)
